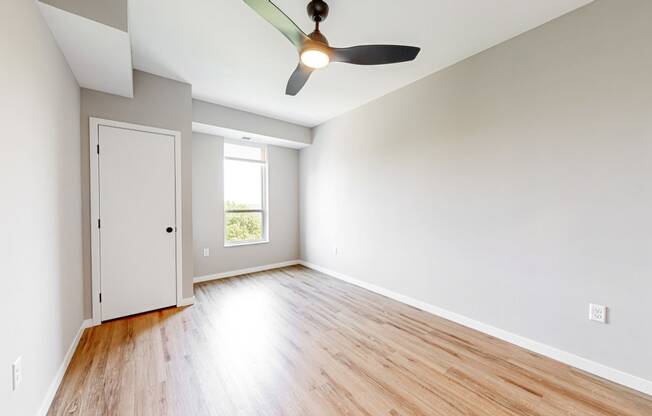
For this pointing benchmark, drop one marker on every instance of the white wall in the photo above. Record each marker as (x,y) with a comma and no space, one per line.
(208,210)
(513,188)
(40,212)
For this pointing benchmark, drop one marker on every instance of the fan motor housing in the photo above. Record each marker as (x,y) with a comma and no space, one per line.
(317,36)
(317,10)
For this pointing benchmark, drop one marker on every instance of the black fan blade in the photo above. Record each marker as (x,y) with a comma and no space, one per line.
(279,20)
(375,54)
(298,79)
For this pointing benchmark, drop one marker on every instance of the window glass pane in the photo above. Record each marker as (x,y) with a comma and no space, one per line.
(243,152)
(245,226)
(243,185)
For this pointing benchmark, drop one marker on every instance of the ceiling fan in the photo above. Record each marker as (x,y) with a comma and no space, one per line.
(314,51)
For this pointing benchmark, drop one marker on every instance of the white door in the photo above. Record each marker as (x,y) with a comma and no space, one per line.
(137,221)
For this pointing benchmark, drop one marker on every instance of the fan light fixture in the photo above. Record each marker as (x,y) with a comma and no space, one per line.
(314,50)
(314,58)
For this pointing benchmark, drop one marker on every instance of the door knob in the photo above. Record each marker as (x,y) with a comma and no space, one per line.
(169,229)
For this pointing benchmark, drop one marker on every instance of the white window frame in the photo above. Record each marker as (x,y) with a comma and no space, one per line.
(264,197)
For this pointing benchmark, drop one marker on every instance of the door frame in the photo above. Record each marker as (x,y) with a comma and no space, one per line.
(95,124)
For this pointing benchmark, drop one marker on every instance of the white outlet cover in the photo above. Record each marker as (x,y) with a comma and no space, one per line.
(206,252)
(17,372)
(598,313)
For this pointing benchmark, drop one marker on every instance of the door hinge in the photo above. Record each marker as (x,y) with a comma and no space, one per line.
(99,223)
(98,149)
(100,298)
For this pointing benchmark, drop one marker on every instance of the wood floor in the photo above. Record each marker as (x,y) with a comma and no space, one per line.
(295,342)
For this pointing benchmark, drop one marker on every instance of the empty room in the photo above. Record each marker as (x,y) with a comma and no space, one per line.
(326,207)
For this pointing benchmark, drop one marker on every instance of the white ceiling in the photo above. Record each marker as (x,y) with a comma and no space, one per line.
(231,56)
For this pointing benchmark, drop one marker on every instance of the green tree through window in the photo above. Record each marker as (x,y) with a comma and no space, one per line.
(242,226)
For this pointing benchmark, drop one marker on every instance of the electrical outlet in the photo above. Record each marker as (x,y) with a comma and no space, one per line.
(17,372)
(206,252)
(336,250)
(598,313)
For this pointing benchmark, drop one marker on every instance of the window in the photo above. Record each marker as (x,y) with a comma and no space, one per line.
(245,194)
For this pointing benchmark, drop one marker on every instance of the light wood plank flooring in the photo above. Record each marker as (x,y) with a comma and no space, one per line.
(296,342)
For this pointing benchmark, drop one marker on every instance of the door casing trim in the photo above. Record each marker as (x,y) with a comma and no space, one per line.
(95,124)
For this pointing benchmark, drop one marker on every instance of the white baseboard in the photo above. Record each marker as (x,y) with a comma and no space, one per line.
(54,386)
(224,275)
(600,370)
(186,302)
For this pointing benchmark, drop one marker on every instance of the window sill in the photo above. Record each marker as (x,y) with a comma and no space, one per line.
(245,243)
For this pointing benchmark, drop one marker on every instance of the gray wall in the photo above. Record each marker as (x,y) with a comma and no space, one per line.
(208,210)
(40,230)
(513,188)
(230,118)
(109,12)
(157,102)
